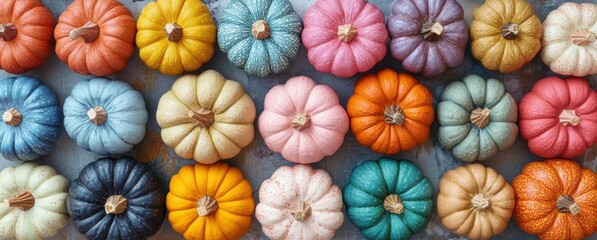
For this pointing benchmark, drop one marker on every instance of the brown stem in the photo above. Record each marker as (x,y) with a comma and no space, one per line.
(432,31)
(89,32)
(301,211)
(480,117)
(565,204)
(480,201)
(583,37)
(569,117)
(260,30)
(301,122)
(206,206)
(510,31)
(12,117)
(394,115)
(347,32)
(97,115)
(173,31)
(23,201)
(392,203)
(8,31)
(202,117)
(116,204)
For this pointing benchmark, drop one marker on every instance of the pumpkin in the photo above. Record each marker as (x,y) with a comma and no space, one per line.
(559,117)
(210,202)
(428,36)
(104,116)
(388,199)
(116,199)
(475,201)
(260,36)
(299,202)
(175,36)
(390,112)
(206,117)
(505,34)
(344,37)
(31,119)
(556,199)
(26,28)
(95,37)
(569,40)
(34,202)
(477,118)
(303,120)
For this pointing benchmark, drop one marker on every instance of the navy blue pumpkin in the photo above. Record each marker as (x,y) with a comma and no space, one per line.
(116,199)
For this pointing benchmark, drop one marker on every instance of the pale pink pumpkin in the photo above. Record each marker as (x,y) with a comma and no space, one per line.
(344,37)
(559,117)
(303,120)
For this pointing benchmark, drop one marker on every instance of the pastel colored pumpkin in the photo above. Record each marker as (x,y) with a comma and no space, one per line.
(390,112)
(299,202)
(505,34)
(477,118)
(475,201)
(26,28)
(303,120)
(95,37)
(556,199)
(175,36)
(206,117)
(116,199)
(31,119)
(388,199)
(210,202)
(344,37)
(260,36)
(34,199)
(105,116)
(559,117)
(569,39)
(428,36)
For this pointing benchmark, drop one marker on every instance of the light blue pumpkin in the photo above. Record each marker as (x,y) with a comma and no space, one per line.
(244,36)
(31,119)
(105,116)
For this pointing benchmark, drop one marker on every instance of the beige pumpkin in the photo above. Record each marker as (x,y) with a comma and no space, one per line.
(206,117)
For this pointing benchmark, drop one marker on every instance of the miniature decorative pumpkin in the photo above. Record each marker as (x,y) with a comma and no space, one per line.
(262,37)
(303,120)
(34,202)
(475,201)
(299,203)
(477,118)
(556,199)
(116,199)
(559,117)
(505,34)
(388,199)
(176,35)
(428,36)
(31,119)
(26,28)
(344,37)
(569,41)
(104,116)
(95,36)
(206,117)
(390,112)
(210,202)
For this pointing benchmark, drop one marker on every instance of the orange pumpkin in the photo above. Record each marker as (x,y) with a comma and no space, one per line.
(556,199)
(95,36)
(390,112)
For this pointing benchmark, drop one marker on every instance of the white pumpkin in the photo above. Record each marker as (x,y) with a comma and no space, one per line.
(299,203)
(570,39)
(33,202)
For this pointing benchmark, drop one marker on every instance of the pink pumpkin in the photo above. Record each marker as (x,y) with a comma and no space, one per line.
(303,120)
(344,37)
(559,117)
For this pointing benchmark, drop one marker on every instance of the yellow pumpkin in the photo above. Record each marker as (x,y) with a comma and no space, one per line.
(175,36)
(210,202)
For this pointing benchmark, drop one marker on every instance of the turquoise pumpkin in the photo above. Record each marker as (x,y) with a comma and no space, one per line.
(388,199)
(105,116)
(260,36)
(477,118)
(31,119)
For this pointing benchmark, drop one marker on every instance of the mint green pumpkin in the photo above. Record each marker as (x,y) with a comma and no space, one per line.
(477,118)
(388,199)
(260,36)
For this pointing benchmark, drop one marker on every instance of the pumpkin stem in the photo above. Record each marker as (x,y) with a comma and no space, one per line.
(97,115)
(116,204)
(480,201)
(432,31)
(301,122)
(510,31)
(301,211)
(569,117)
(394,115)
(583,37)
(260,30)
(480,117)
(173,31)
(23,201)
(12,117)
(347,32)
(202,117)
(206,206)
(89,32)
(392,203)
(565,204)
(8,31)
